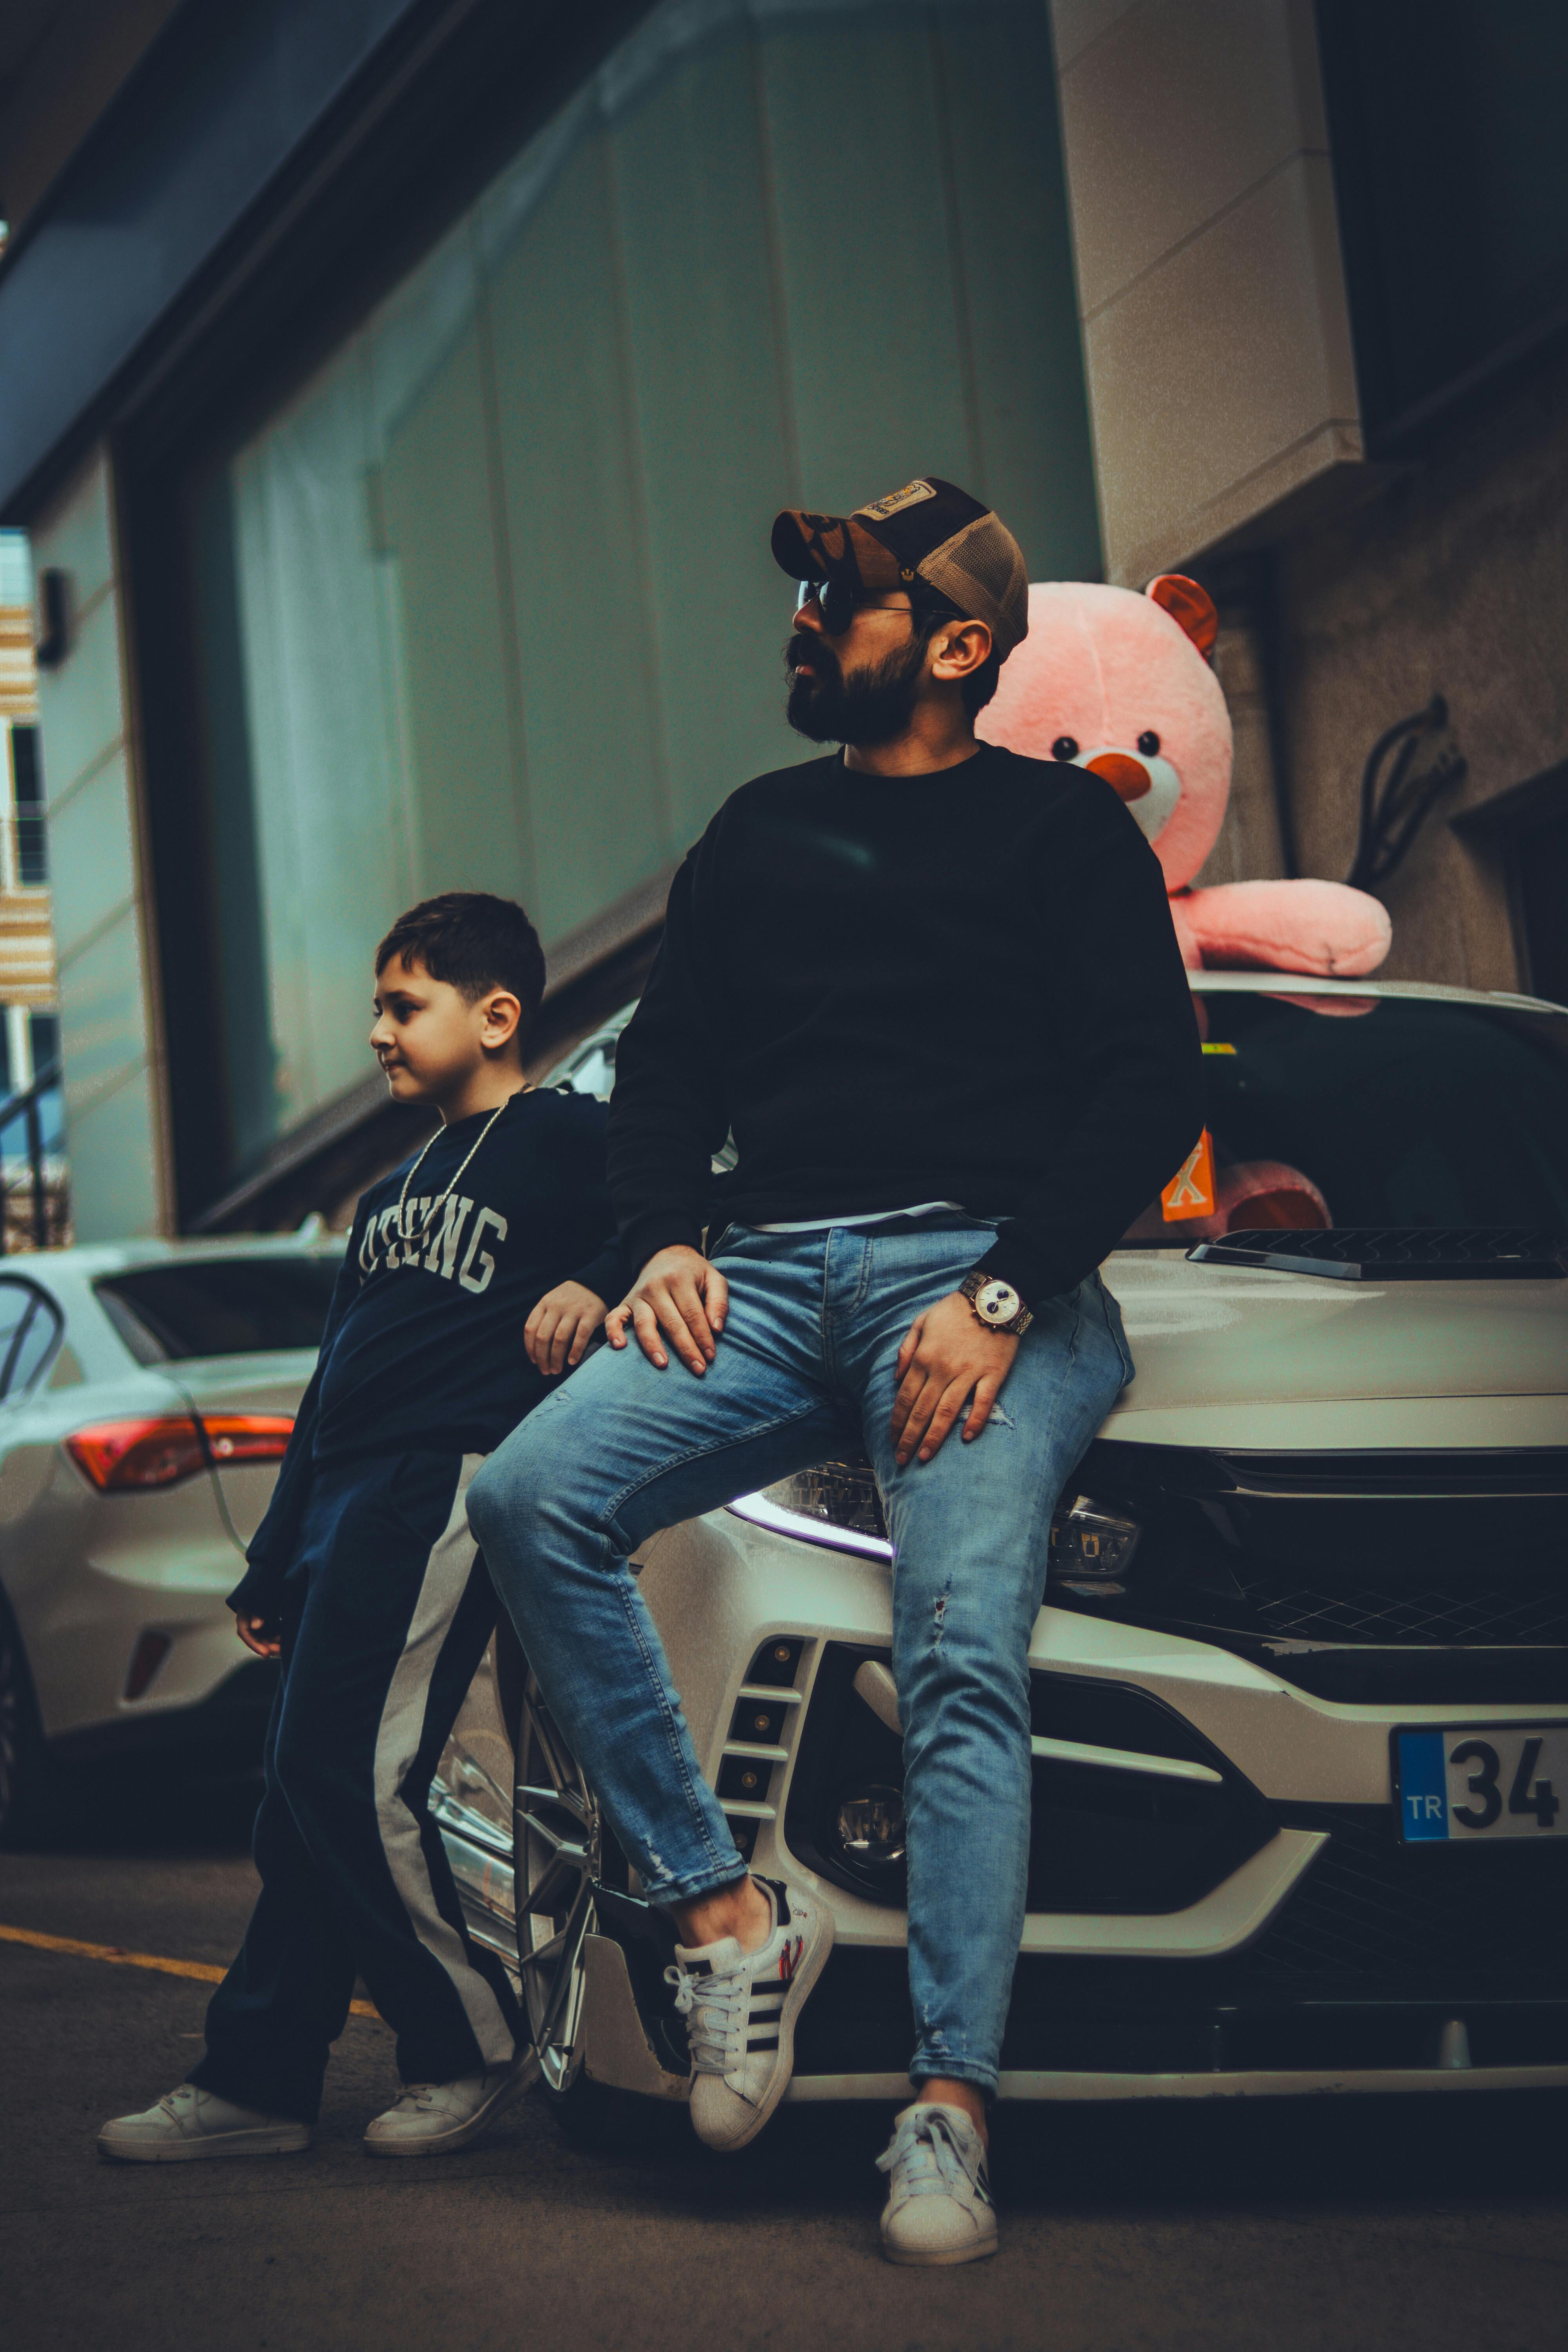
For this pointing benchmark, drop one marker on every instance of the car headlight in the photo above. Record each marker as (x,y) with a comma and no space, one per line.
(834,1502)
(1093,1545)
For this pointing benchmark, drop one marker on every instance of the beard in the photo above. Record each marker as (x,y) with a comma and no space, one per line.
(874,706)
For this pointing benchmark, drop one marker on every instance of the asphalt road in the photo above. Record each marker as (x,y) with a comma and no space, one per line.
(1347,2224)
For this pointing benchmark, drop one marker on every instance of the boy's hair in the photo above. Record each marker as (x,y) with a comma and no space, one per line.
(475,942)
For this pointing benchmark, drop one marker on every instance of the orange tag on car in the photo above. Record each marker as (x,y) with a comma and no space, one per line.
(1190,1193)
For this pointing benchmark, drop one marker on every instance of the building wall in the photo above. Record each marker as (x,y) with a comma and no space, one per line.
(1455,581)
(1217,336)
(108,1017)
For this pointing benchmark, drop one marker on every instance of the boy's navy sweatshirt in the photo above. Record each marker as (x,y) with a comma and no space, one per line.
(423,1345)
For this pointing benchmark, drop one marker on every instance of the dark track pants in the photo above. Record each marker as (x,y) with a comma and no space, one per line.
(387,1614)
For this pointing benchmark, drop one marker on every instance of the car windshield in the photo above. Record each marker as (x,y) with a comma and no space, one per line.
(1366,1110)
(220,1307)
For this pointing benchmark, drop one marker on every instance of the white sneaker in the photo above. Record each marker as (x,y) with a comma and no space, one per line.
(434,2119)
(190,2122)
(742,2008)
(939,2206)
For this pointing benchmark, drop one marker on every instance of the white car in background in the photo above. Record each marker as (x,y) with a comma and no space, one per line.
(147,1391)
(1300,1683)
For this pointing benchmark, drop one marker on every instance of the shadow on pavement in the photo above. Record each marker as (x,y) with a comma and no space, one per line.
(1146,2156)
(1143,2156)
(145,1807)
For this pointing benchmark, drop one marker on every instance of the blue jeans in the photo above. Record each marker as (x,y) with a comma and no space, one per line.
(805,1366)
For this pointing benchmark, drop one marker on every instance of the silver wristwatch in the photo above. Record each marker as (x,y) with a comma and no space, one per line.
(995,1302)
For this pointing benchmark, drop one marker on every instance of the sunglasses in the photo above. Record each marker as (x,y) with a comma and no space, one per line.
(838,602)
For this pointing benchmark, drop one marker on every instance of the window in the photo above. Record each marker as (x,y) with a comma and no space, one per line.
(488,603)
(1390,1110)
(220,1307)
(29,1326)
(27,775)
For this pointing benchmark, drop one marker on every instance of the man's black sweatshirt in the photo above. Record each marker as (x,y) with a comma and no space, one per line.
(423,1346)
(962,986)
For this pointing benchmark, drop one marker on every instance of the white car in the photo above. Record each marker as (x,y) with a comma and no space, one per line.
(147,1391)
(1301,1679)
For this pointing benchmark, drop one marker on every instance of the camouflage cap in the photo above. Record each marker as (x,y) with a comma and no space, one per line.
(929,531)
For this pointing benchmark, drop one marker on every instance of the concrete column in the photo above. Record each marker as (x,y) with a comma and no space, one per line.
(109,1029)
(1216,335)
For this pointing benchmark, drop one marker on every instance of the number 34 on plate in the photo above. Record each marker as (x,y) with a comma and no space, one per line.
(1482,1780)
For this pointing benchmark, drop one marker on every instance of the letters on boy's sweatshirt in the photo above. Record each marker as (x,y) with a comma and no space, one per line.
(434,1244)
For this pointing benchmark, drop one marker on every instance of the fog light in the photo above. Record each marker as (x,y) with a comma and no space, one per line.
(871,1825)
(1093,1545)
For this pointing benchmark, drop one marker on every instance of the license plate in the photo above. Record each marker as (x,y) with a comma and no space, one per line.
(1482,1780)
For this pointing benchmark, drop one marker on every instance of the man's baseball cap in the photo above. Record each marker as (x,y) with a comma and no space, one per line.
(929,531)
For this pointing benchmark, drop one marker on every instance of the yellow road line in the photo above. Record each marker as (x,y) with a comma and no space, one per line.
(203,1971)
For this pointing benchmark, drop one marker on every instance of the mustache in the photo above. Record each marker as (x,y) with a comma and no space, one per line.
(804,648)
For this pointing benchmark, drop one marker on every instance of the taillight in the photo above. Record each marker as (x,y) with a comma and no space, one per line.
(248,1436)
(120,1454)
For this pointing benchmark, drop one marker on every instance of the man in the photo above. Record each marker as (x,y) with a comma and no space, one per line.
(934,990)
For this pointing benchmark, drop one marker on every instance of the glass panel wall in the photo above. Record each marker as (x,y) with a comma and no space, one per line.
(488,603)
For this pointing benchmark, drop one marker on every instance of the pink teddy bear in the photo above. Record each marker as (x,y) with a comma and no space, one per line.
(1121,684)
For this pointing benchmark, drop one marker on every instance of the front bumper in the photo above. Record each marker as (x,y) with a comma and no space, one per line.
(1303,1949)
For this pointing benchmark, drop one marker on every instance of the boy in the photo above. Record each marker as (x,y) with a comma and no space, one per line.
(365,1580)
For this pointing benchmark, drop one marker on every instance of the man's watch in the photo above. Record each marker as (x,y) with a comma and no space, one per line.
(995,1302)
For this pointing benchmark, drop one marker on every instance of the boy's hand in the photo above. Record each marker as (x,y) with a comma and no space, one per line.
(947,1357)
(679,1293)
(260,1634)
(558,1331)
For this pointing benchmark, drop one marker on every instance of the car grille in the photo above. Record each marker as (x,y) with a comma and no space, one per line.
(1436,1609)
(1485,1923)
(1394,1576)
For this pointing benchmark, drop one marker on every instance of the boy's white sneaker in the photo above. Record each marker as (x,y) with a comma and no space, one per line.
(939,2206)
(437,2118)
(189,2122)
(741,2009)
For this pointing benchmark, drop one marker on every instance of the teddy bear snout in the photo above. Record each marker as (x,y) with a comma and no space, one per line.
(1150,788)
(1127,777)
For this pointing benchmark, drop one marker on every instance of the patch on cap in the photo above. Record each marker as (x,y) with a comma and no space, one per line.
(895,501)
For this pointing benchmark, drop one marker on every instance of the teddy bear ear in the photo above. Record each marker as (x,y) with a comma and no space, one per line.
(1193,606)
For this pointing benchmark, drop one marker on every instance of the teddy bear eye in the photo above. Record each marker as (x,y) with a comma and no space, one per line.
(1148,742)
(1064,747)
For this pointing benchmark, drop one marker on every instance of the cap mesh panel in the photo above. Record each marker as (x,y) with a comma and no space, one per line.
(981,569)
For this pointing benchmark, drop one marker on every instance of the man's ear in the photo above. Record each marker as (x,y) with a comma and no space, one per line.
(966,647)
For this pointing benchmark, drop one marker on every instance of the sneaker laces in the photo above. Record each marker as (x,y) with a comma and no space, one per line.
(415,2098)
(717,2007)
(929,2160)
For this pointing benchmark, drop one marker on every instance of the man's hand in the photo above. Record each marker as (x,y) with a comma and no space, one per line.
(557,1333)
(947,1357)
(679,1296)
(260,1634)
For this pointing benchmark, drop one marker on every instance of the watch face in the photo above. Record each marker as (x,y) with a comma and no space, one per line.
(998,1303)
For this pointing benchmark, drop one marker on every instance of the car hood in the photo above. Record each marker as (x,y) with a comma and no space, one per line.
(1250,1356)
